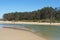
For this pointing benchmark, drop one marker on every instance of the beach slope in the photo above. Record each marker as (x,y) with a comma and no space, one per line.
(13,34)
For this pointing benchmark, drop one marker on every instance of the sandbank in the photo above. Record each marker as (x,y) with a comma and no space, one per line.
(35,23)
(13,34)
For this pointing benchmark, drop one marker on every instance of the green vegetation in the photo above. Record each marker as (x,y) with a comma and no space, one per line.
(46,14)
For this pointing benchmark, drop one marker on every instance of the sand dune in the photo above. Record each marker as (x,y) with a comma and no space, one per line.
(13,34)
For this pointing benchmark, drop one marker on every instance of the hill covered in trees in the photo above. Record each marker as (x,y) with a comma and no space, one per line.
(41,14)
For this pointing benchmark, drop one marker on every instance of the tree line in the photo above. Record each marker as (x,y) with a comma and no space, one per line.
(44,13)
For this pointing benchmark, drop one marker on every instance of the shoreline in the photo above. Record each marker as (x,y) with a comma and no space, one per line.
(12,34)
(34,23)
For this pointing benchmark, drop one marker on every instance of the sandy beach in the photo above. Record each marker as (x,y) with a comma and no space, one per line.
(35,23)
(13,34)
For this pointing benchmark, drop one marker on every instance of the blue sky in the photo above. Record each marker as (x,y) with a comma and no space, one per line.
(7,6)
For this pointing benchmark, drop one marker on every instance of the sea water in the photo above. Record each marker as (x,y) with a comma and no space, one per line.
(48,31)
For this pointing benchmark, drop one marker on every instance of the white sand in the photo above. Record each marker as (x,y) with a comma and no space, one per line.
(36,23)
(13,34)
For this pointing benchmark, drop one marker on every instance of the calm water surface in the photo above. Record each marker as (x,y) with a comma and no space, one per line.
(50,32)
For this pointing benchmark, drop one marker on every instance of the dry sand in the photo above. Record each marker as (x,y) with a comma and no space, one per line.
(13,34)
(35,23)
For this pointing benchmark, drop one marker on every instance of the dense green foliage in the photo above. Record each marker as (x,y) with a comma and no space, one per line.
(44,13)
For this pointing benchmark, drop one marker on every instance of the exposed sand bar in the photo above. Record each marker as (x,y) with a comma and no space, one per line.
(35,23)
(13,34)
